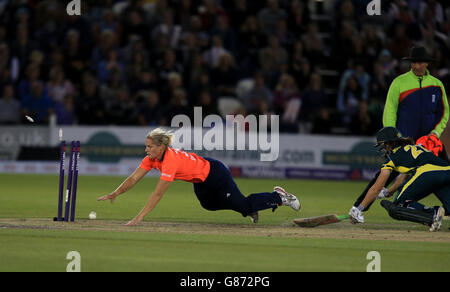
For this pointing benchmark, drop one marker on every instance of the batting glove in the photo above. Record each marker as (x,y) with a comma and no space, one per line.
(384,193)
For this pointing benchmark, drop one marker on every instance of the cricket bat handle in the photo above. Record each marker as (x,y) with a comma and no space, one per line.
(343,217)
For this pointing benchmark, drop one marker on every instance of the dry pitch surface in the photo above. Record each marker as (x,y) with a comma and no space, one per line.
(342,230)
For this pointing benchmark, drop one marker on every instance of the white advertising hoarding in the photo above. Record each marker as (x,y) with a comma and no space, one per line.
(119,150)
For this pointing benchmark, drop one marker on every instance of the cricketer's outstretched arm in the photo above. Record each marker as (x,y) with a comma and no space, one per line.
(376,188)
(127,184)
(398,182)
(155,197)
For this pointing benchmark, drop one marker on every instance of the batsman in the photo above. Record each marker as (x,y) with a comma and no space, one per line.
(417,106)
(421,173)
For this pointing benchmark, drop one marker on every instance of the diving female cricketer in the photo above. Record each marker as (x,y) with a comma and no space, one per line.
(211,179)
(421,173)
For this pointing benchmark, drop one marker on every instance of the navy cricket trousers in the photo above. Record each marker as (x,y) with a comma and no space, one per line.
(426,180)
(220,192)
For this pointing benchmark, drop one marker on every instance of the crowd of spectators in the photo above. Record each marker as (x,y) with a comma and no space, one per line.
(323,68)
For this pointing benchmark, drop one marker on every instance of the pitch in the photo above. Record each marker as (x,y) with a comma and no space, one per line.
(181,236)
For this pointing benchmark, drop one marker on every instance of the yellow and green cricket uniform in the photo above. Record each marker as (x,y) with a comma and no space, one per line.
(428,174)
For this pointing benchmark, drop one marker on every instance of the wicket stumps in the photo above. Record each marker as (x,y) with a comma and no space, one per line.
(72,181)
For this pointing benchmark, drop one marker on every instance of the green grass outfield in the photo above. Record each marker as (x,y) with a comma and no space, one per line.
(181,236)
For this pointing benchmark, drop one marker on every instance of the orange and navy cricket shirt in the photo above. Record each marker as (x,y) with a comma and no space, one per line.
(179,165)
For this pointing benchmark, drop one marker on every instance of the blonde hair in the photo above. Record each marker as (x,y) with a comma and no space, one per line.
(160,137)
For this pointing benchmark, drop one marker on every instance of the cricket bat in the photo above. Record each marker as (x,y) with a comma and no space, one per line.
(320,220)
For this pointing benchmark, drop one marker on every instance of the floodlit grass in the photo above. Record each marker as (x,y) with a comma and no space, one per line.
(35,196)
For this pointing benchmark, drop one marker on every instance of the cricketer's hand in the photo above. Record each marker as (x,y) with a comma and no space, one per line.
(134,221)
(107,197)
(356,216)
(384,193)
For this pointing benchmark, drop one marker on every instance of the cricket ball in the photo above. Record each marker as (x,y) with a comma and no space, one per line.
(92,215)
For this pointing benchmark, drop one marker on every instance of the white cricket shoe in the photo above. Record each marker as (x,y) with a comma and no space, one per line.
(287,199)
(437,219)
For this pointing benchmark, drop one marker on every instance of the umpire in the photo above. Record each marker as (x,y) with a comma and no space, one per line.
(416,105)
